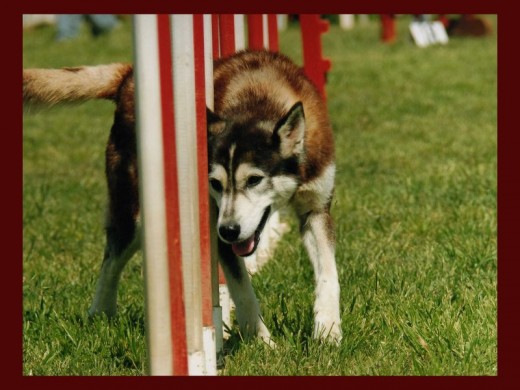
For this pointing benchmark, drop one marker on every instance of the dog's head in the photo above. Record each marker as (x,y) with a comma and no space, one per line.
(253,171)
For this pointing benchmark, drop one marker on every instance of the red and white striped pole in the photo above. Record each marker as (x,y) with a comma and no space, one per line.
(229,37)
(203,70)
(223,27)
(171,69)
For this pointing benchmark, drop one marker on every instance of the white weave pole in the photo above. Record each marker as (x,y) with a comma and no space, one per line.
(180,341)
(212,333)
(186,130)
(265,31)
(151,168)
(274,227)
(152,190)
(240,34)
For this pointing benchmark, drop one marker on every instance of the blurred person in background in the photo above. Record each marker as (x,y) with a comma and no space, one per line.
(69,25)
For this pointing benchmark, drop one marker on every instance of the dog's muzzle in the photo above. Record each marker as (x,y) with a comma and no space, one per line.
(246,247)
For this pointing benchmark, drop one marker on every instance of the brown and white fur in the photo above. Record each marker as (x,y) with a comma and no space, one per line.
(270,144)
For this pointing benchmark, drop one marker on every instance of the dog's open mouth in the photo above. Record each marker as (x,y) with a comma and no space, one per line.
(247,247)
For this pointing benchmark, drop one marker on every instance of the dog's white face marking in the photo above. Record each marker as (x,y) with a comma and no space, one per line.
(243,198)
(250,199)
(246,174)
(231,155)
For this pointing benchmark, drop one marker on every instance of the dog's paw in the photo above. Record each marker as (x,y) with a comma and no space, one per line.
(264,335)
(329,331)
(96,311)
(269,341)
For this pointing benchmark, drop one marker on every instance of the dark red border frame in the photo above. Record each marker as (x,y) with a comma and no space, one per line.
(508,179)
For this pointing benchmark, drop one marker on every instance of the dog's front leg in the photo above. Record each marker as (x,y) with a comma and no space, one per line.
(318,237)
(241,290)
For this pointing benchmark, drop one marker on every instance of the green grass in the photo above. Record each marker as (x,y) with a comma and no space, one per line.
(415,212)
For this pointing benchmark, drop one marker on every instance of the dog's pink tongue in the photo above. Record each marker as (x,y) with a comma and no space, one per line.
(245,247)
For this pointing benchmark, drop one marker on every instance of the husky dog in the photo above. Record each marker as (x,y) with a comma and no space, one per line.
(270,144)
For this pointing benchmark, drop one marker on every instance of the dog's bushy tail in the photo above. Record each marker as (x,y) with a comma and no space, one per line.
(47,87)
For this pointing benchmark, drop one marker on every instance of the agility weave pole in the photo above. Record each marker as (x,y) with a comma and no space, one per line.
(262,33)
(228,37)
(174,85)
(170,83)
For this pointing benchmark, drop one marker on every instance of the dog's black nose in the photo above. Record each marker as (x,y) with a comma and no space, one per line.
(229,233)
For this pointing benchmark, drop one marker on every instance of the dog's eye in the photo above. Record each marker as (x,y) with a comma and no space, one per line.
(216,185)
(253,180)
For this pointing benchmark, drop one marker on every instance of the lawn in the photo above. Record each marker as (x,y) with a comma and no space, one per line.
(415,210)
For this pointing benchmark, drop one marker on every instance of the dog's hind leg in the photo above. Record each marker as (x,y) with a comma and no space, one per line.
(105,298)
(123,238)
(318,238)
(241,290)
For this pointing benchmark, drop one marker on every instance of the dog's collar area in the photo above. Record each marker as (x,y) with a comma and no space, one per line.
(248,247)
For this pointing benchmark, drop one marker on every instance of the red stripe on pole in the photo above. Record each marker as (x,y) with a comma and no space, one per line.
(255,31)
(202,160)
(272,24)
(227,47)
(227,34)
(215,35)
(177,312)
(221,277)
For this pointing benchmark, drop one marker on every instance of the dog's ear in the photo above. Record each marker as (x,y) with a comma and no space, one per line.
(214,122)
(289,132)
